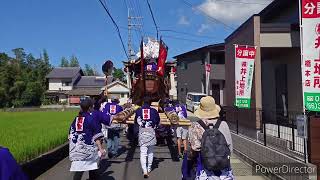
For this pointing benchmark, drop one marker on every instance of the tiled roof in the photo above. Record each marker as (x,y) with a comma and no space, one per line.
(91,81)
(85,91)
(64,72)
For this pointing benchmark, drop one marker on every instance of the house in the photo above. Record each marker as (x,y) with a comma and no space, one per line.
(62,80)
(86,86)
(118,89)
(276,98)
(276,86)
(191,72)
(68,85)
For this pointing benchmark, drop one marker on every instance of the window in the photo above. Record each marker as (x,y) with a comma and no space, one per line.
(122,95)
(66,83)
(216,58)
(183,65)
(181,89)
(196,98)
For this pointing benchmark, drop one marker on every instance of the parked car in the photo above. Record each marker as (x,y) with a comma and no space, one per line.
(193,100)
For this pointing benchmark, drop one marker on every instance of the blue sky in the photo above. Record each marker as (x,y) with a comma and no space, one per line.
(82,28)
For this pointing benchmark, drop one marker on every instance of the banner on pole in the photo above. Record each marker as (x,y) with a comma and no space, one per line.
(244,67)
(310,21)
(208,70)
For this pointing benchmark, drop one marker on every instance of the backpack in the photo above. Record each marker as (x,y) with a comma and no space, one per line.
(215,152)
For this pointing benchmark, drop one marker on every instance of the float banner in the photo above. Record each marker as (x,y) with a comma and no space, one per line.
(163,52)
(310,65)
(244,67)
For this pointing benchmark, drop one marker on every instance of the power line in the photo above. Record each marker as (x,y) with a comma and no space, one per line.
(115,24)
(140,14)
(185,33)
(207,15)
(134,20)
(183,39)
(154,21)
(168,36)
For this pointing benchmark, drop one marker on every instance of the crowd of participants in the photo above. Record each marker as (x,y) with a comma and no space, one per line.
(207,144)
(209,138)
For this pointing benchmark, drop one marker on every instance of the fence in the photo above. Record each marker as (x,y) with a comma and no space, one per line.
(274,129)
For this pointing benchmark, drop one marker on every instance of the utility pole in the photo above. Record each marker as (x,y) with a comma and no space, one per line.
(130,27)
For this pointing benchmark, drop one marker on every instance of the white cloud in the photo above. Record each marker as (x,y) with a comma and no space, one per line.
(232,11)
(203,28)
(183,20)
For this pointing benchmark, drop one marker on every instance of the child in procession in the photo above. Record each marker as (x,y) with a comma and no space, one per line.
(181,131)
(85,148)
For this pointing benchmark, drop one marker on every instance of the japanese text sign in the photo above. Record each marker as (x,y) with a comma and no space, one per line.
(244,68)
(310,12)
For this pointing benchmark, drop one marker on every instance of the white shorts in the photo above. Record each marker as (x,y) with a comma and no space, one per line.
(84,165)
(182,132)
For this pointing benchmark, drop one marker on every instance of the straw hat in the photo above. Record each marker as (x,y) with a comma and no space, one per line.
(208,108)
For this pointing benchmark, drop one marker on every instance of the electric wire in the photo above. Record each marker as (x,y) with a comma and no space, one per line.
(185,33)
(183,39)
(154,21)
(115,24)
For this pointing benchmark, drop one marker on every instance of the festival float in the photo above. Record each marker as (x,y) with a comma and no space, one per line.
(147,76)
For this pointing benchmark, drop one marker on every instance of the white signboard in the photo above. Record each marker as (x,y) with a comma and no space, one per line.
(244,67)
(310,13)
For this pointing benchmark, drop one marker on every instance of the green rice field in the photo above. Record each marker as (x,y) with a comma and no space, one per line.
(29,134)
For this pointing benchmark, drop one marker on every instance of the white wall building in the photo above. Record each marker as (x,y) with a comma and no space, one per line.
(119,89)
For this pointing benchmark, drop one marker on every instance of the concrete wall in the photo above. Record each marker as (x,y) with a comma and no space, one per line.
(190,78)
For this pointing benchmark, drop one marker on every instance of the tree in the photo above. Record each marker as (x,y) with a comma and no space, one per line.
(96,72)
(118,74)
(88,71)
(22,79)
(45,66)
(5,80)
(74,61)
(20,54)
(45,56)
(64,62)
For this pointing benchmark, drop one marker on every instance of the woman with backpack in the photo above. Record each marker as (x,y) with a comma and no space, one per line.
(211,143)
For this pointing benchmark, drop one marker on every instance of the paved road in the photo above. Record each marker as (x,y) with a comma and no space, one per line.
(127,166)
